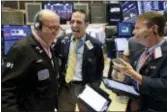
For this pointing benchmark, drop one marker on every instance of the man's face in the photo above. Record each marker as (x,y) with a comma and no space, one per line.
(78,24)
(50,29)
(142,33)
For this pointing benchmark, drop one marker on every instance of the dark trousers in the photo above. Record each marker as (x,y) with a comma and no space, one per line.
(68,98)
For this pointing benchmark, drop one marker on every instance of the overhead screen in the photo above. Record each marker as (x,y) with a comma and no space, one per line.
(145,6)
(113,14)
(13,33)
(64,10)
(129,11)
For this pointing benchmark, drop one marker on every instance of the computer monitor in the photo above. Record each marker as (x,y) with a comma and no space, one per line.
(13,33)
(125,29)
(129,11)
(64,10)
(145,6)
(8,44)
(113,14)
(121,44)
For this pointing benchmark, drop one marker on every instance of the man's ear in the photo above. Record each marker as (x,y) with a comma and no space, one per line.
(155,29)
(87,23)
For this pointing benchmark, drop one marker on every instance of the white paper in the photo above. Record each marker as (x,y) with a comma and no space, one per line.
(121,86)
(121,44)
(93,99)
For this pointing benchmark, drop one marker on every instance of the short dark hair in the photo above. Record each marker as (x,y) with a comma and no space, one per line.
(83,12)
(154,18)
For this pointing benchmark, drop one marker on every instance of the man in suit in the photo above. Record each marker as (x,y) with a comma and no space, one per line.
(150,66)
(29,78)
(86,68)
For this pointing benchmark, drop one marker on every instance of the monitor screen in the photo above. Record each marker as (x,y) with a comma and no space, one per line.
(113,13)
(8,44)
(15,32)
(64,10)
(145,6)
(12,33)
(129,10)
(121,44)
(125,29)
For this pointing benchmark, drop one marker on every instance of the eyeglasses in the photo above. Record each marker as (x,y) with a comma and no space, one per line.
(55,28)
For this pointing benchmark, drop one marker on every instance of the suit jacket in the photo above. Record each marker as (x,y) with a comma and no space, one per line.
(29,80)
(134,47)
(154,87)
(93,61)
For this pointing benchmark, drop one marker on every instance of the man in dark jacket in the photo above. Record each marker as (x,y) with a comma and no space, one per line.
(29,78)
(85,68)
(150,66)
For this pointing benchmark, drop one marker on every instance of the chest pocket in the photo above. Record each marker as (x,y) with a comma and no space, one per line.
(151,70)
(41,72)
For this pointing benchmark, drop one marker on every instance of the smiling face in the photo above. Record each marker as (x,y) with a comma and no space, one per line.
(50,26)
(143,33)
(78,24)
(149,28)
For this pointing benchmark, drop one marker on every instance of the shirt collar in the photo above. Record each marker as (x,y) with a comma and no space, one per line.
(151,49)
(82,38)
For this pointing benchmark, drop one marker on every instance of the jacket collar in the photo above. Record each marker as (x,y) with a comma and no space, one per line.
(151,57)
(37,47)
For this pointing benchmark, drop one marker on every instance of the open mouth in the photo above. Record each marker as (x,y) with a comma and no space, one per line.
(75,30)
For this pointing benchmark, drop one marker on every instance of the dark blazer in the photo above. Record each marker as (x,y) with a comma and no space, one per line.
(154,87)
(93,61)
(29,80)
(135,50)
(134,47)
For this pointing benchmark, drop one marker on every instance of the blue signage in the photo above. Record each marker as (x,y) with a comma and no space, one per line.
(145,6)
(129,10)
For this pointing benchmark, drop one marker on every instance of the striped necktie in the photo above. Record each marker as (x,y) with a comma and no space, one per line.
(142,59)
(72,62)
(141,62)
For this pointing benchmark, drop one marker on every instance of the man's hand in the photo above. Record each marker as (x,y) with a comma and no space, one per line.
(122,66)
(125,68)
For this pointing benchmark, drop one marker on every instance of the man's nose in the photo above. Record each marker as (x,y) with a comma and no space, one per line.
(75,24)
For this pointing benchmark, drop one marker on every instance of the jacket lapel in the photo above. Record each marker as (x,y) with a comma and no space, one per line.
(151,57)
(55,62)
(86,50)
(38,48)
(67,48)
(67,45)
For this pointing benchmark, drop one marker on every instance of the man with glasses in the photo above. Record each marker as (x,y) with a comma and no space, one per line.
(29,78)
(81,62)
